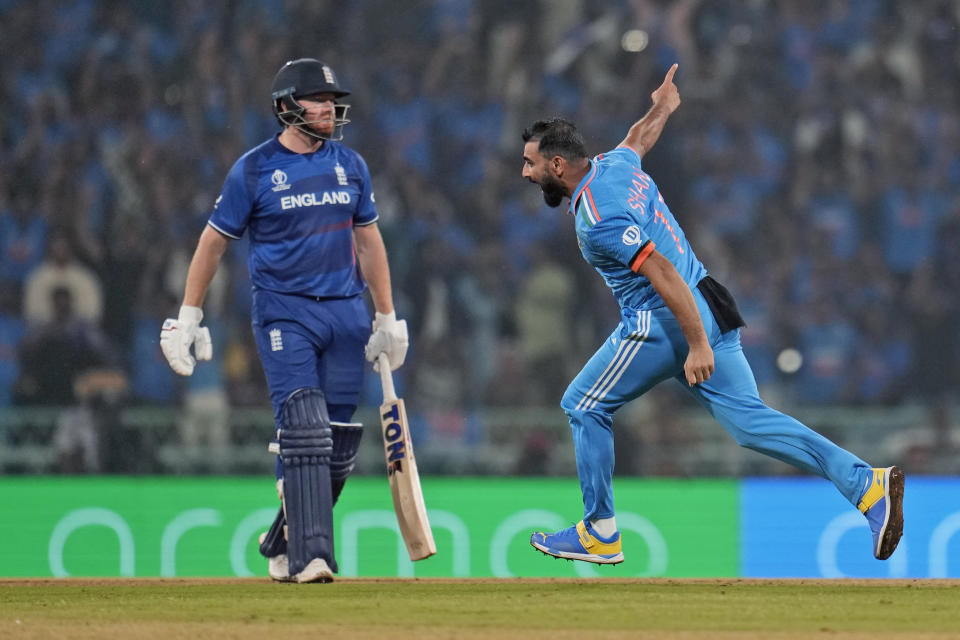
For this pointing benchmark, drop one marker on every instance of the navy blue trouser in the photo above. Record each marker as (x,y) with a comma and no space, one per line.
(305,342)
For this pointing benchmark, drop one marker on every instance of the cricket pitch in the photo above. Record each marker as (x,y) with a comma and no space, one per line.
(213,608)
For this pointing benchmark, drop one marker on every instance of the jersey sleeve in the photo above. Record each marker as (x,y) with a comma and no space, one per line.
(233,206)
(613,233)
(627,153)
(366,208)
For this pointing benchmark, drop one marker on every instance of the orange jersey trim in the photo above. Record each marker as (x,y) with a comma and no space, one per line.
(576,196)
(593,205)
(641,255)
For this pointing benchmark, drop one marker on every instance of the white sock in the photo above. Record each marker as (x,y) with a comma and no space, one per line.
(605,527)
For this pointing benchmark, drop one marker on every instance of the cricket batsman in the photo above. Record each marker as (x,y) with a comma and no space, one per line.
(306,203)
(675,322)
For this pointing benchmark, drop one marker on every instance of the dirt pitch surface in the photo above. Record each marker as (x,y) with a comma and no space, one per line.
(210,608)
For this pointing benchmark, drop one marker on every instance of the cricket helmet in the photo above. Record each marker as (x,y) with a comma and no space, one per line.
(306,77)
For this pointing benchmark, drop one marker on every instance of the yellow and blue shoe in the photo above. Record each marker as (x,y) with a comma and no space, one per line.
(579,542)
(882,504)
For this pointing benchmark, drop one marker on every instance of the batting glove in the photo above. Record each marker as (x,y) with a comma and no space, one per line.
(389,337)
(179,334)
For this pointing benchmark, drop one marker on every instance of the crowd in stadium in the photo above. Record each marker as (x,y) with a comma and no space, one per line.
(814,163)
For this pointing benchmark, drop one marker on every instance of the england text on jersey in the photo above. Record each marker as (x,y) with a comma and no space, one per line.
(314,199)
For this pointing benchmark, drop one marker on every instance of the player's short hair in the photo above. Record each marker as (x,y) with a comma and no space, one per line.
(557,137)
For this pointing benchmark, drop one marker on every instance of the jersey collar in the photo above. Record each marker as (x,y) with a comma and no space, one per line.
(324,148)
(583,185)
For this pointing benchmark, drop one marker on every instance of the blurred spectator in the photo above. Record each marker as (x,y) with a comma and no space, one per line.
(757,338)
(23,233)
(527,223)
(882,359)
(88,436)
(151,378)
(12,331)
(934,375)
(911,217)
(815,161)
(482,297)
(206,406)
(437,393)
(245,380)
(55,352)
(60,272)
(543,310)
(827,343)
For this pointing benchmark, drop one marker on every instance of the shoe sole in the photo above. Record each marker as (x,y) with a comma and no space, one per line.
(892,529)
(584,557)
(279,578)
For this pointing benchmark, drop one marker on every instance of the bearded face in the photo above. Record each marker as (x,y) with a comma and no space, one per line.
(552,190)
(537,169)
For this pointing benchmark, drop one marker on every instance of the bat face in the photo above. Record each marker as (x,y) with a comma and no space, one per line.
(405,481)
(393,421)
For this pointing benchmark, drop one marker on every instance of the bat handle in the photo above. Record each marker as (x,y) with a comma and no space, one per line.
(386,378)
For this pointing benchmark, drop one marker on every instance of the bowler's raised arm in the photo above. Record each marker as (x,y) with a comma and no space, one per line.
(646,131)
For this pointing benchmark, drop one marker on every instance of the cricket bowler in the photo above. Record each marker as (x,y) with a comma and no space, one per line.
(675,322)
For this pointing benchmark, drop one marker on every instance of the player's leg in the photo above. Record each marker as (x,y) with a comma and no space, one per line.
(635,358)
(328,357)
(346,443)
(306,444)
(731,397)
(288,354)
(273,542)
(289,357)
(342,366)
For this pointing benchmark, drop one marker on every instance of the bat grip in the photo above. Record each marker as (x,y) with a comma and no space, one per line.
(386,378)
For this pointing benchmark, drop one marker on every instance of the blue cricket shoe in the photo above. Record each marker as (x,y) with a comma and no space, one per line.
(882,504)
(579,542)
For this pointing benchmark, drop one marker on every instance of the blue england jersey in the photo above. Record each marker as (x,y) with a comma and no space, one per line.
(620,218)
(300,210)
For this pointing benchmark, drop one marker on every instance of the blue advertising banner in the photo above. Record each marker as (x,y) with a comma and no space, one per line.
(804,528)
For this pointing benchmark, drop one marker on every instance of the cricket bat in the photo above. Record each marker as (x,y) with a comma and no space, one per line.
(402,470)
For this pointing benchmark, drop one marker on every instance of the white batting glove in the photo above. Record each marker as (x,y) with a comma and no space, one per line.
(389,337)
(178,335)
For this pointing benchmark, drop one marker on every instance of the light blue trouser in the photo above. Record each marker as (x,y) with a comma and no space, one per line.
(647,348)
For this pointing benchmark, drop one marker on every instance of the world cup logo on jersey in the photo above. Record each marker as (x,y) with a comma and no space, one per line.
(341,175)
(279,179)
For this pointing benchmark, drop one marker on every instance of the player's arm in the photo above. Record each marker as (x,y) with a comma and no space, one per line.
(180,334)
(679,299)
(389,334)
(203,266)
(646,131)
(372,257)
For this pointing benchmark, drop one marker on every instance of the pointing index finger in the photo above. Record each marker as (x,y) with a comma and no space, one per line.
(669,78)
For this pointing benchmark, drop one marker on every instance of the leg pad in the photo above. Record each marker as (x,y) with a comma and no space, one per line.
(306,445)
(274,543)
(346,442)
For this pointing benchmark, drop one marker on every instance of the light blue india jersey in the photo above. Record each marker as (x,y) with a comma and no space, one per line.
(300,210)
(620,218)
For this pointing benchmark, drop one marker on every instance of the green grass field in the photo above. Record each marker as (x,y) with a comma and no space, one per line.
(511,608)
